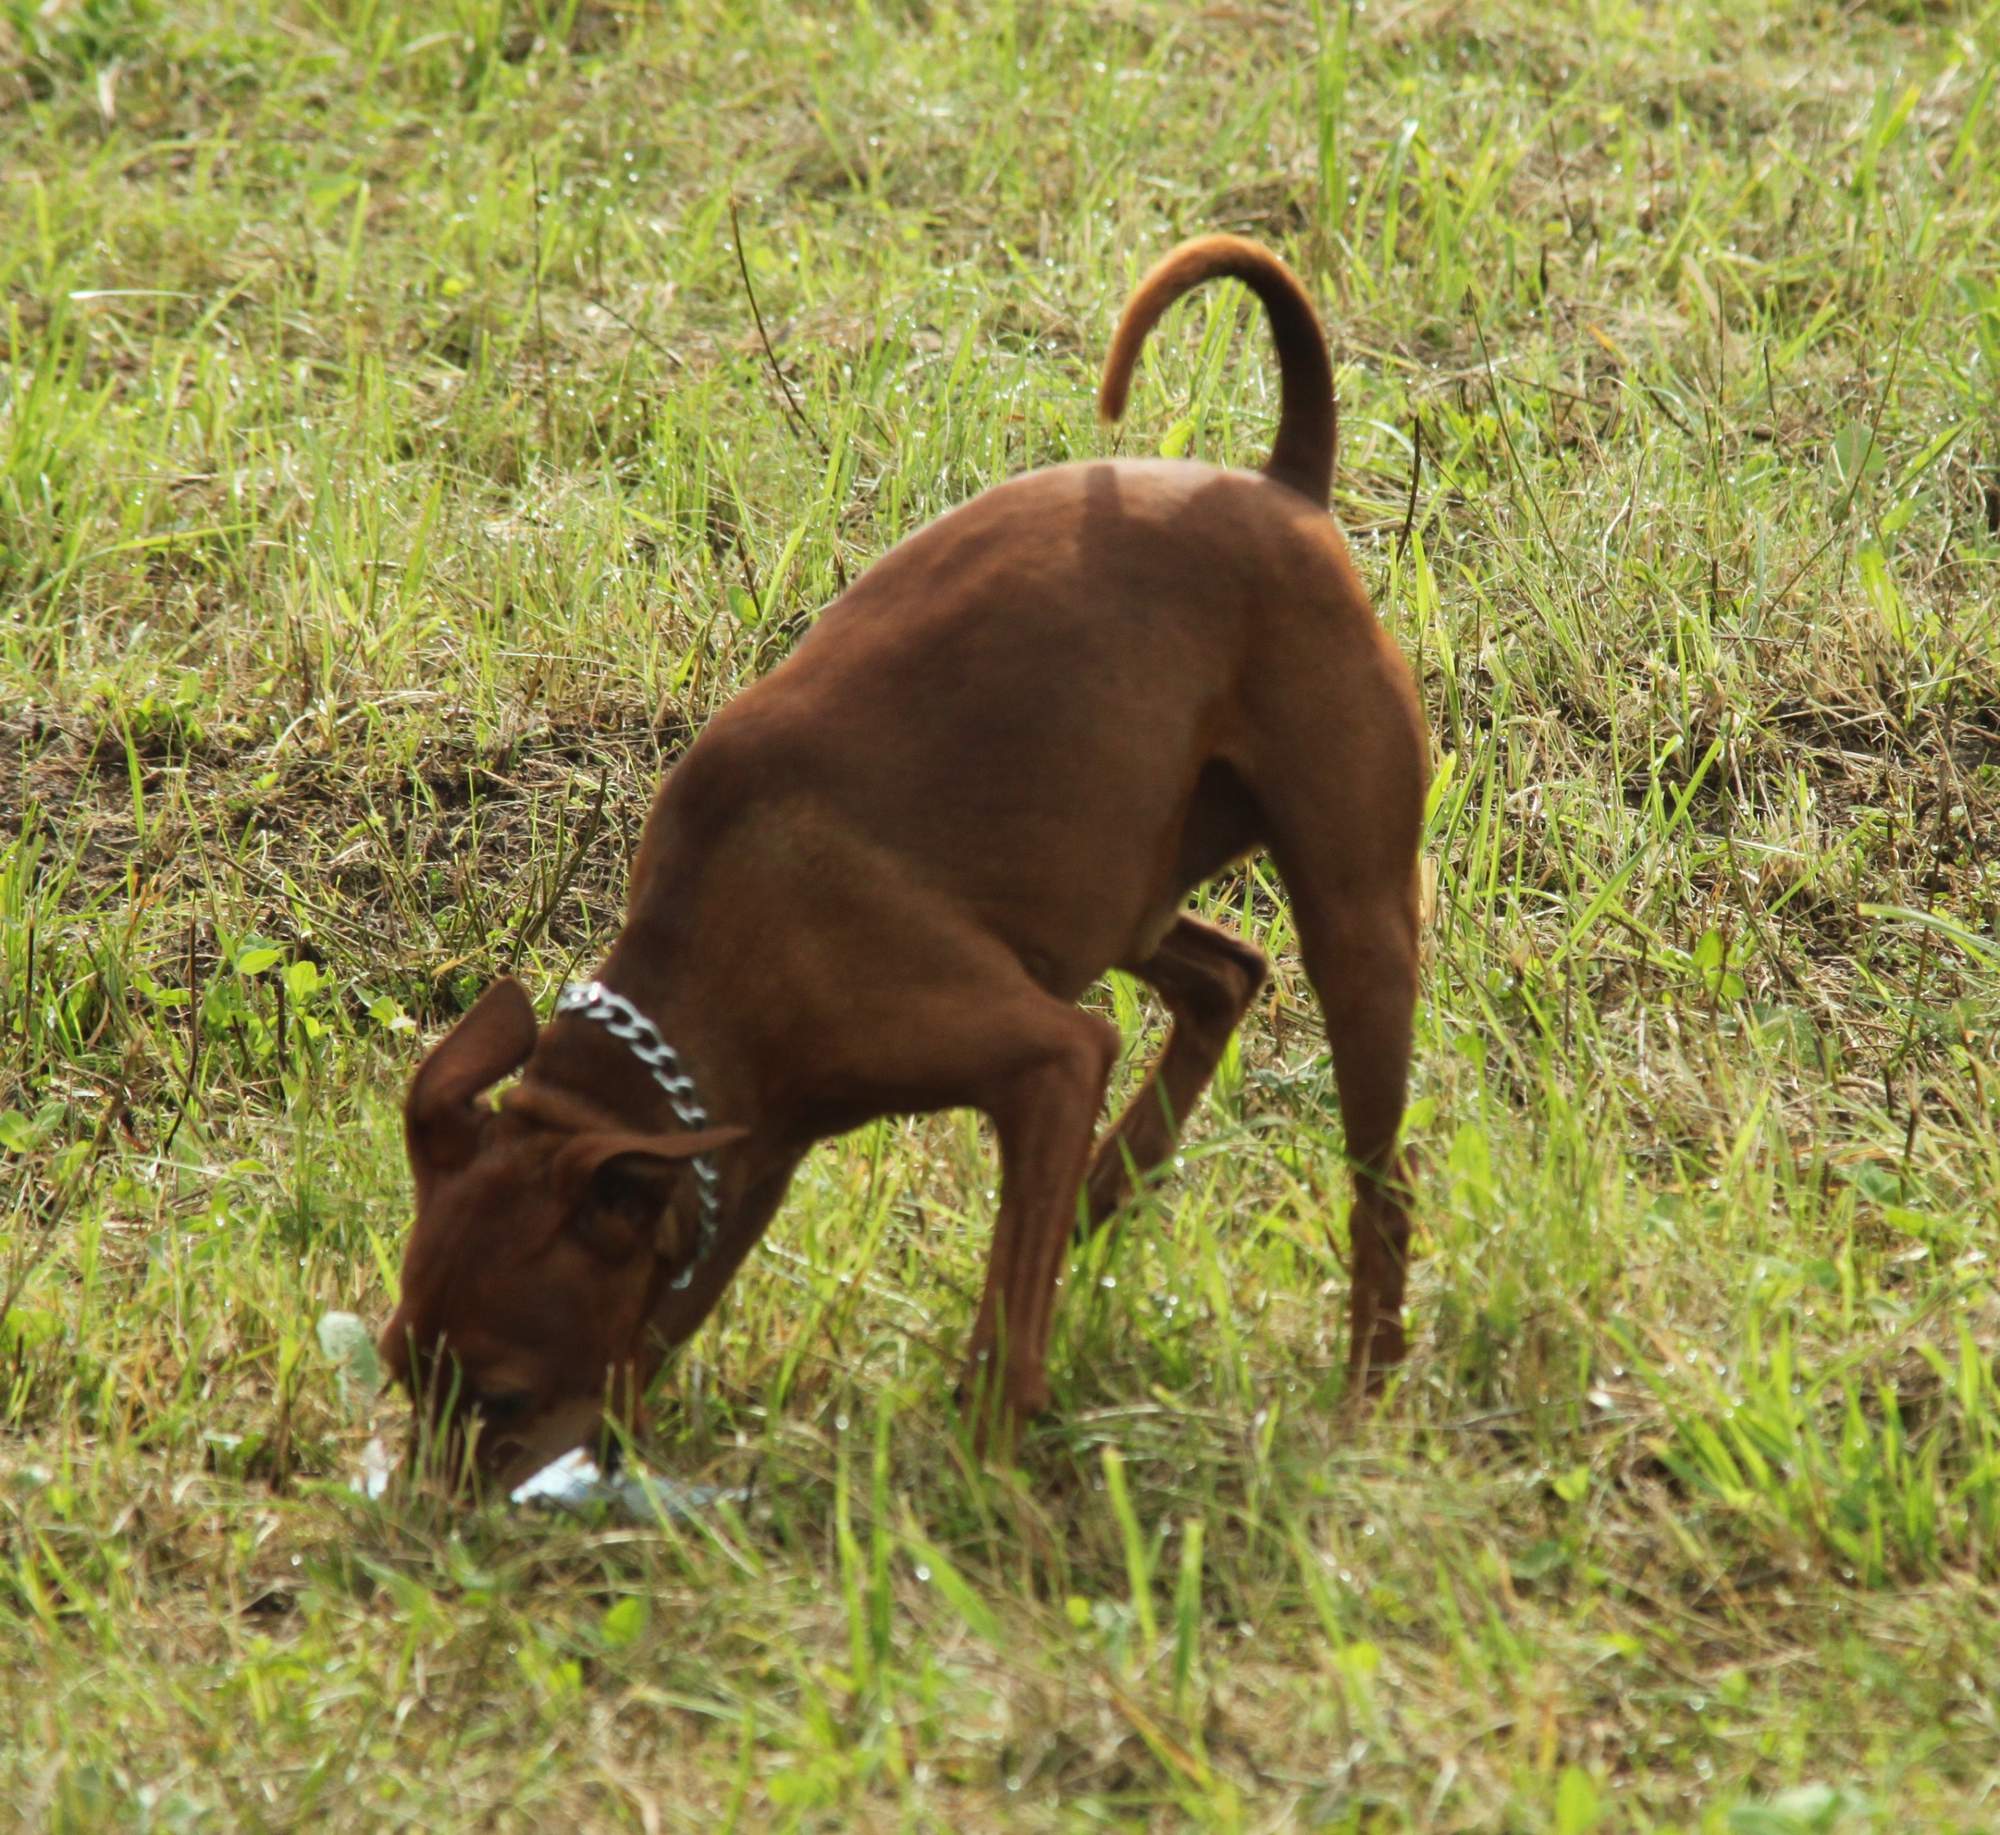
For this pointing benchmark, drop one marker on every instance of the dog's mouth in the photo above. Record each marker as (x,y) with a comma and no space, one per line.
(492,1451)
(510,1452)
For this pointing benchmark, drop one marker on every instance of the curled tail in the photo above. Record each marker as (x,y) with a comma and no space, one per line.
(1308,420)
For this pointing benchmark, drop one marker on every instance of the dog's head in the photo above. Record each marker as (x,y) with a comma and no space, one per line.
(544,1238)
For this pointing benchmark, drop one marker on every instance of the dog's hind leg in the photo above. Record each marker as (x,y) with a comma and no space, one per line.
(1206,978)
(1368,991)
(1352,885)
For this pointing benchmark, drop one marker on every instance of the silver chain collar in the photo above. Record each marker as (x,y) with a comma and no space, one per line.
(592,1000)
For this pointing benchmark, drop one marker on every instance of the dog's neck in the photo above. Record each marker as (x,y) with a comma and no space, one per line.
(581,1057)
(583,1061)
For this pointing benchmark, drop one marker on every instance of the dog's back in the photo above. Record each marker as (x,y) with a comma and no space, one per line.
(1064,697)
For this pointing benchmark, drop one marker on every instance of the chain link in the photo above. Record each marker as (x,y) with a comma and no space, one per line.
(592,1000)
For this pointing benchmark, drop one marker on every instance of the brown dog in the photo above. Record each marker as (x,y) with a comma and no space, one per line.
(881,878)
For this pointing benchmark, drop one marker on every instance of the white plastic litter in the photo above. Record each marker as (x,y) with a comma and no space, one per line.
(574,1483)
(377,1466)
(351,1347)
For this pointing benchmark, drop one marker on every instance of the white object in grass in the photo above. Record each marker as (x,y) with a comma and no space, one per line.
(574,1483)
(378,1464)
(350,1346)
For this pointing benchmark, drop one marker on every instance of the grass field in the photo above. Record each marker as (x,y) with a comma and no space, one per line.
(392,478)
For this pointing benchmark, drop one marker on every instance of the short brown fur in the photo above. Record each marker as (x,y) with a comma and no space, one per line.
(880,879)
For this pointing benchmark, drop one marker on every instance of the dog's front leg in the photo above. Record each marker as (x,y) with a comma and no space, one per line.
(907,1008)
(1044,1111)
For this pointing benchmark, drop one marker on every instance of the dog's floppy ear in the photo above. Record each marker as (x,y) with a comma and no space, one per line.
(625,1185)
(440,1124)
